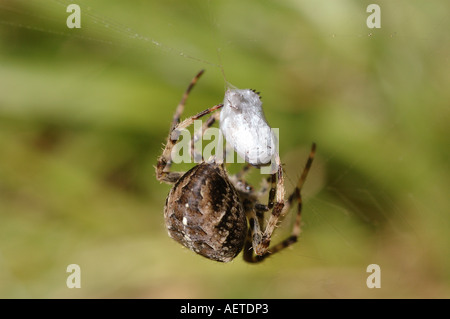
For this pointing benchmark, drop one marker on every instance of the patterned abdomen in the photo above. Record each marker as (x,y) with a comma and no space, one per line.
(203,213)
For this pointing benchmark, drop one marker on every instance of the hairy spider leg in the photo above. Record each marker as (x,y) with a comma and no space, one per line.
(180,108)
(253,231)
(163,173)
(261,240)
(198,157)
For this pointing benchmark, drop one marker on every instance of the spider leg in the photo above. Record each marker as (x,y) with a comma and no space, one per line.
(261,208)
(277,208)
(296,195)
(180,108)
(238,179)
(261,240)
(163,173)
(272,192)
(198,157)
(253,234)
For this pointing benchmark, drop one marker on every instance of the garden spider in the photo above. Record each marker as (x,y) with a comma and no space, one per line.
(207,210)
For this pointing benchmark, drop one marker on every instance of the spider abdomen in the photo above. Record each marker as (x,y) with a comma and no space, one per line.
(203,212)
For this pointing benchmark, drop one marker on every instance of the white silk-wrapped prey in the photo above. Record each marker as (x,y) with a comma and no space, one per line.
(245,128)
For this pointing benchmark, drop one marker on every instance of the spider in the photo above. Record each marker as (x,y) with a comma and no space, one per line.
(217,215)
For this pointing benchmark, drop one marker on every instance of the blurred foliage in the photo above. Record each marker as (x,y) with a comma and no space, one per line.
(84,113)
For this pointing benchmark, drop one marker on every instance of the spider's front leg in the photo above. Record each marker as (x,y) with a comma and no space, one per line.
(163,173)
(257,240)
(260,243)
(198,157)
(261,247)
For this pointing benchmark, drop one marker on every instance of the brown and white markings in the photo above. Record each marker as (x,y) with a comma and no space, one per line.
(216,215)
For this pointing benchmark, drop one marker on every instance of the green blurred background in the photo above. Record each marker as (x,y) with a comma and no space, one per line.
(84,113)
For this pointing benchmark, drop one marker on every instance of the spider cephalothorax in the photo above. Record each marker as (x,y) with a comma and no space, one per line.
(217,215)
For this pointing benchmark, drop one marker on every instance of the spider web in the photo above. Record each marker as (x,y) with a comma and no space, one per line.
(346,204)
